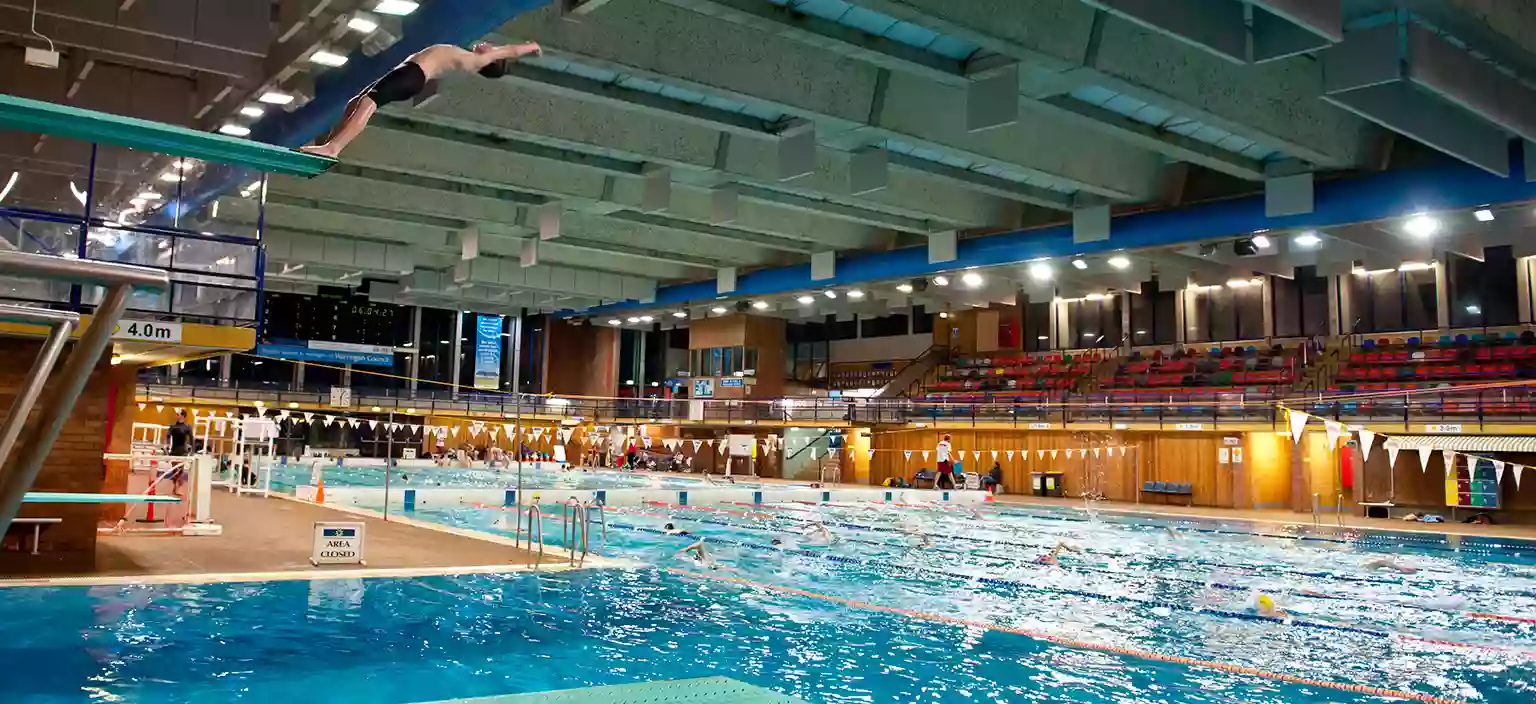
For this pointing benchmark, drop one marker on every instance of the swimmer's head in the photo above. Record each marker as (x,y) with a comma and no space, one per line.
(669,526)
(776,541)
(1266,602)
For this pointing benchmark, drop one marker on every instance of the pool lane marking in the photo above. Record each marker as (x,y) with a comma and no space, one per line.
(1077,644)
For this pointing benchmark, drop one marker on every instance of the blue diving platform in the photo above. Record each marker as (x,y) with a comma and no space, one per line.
(704,690)
(63,497)
(27,115)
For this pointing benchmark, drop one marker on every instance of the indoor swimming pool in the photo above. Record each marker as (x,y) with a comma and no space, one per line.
(1149,611)
(425,474)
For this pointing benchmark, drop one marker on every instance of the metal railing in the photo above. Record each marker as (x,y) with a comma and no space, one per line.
(19,470)
(535,525)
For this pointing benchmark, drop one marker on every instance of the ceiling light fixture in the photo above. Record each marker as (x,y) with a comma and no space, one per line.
(646,318)
(615,321)
(1261,241)
(149,195)
(1415,266)
(904,288)
(398,8)
(632,320)
(941,281)
(679,314)
(252,111)
(1421,225)
(944,314)
(1474,310)
(276,97)
(1119,262)
(234,130)
(362,23)
(1041,271)
(829,293)
(328,58)
(1483,215)
(855,294)
(1079,264)
(972,279)
(806,300)
(760,305)
(1308,239)
(718,310)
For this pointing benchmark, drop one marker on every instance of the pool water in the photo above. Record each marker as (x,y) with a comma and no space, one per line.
(869,629)
(534,476)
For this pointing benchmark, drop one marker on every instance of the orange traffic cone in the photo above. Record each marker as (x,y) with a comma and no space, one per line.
(320,492)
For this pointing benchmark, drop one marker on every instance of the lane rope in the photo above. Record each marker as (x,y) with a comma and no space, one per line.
(1077,644)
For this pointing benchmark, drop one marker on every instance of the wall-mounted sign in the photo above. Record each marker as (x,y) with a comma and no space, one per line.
(1237,455)
(1443,428)
(703,388)
(1189,426)
(1230,441)
(1039,426)
(732,381)
(147,331)
(341,397)
(329,353)
(1223,455)
(488,351)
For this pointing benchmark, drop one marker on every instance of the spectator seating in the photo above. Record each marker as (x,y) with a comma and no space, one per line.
(1217,367)
(1169,489)
(1461,358)
(1054,371)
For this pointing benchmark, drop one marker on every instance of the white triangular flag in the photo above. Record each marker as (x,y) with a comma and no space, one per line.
(355,422)
(1053,453)
(1450,461)
(309,417)
(697,444)
(1069,454)
(1010,455)
(1392,449)
(416,429)
(711,442)
(229,414)
(373,425)
(1095,453)
(721,447)
(908,453)
(454,431)
(870,452)
(1498,472)
(1298,421)
(925,455)
(142,405)
(1039,454)
(1367,438)
(160,407)
(282,414)
(1334,429)
(976,455)
(1518,469)
(647,441)
(330,420)
(538,433)
(1424,453)
(994,455)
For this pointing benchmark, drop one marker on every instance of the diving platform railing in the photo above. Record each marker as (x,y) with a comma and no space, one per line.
(22,459)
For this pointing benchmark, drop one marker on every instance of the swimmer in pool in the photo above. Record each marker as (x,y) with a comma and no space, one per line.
(1264,605)
(820,535)
(674,530)
(700,554)
(1053,557)
(1389,563)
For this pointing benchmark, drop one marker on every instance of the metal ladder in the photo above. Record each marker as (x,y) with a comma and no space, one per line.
(535,524)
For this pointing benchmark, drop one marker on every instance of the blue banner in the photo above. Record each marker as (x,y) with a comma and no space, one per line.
(300,353)
(488,352)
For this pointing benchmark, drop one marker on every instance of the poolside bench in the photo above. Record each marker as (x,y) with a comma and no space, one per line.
(1170,489)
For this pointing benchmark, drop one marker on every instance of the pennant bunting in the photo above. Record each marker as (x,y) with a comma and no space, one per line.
(454,431)
(976,455)
(1392,449)
(1053,453)
(1010,455)
(1334,430)
(1367,438)
(994,455)
(142,405)
(647,442)
(697,444)
(309,417)
(1450,461)
(1518,469)
(1424,453)
(871,453)
(1095,453)
(908,453)
(722,447)
(494,433)
(925,455)
(1039,454)
(1498,472)
(1298,421)
(160,408)
(373,425)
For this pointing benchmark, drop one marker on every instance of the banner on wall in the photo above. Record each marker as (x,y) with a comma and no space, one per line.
(487,351)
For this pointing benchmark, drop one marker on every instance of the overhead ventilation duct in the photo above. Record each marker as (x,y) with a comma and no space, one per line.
(1406,77)
(1238,31)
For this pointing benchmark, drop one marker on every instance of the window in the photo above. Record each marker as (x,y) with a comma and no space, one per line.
(1153,313)
(722,361)
(883,326)
(1093,322)
(1390,300)
(1483,292)
(1300,304)
(922,321)
(1037,326)
(1223,313)
(437,335)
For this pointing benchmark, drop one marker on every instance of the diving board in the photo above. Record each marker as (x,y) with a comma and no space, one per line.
(704,690)
(63,497)
(28,115)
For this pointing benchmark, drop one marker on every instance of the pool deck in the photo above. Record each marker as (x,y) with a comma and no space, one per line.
(1281,516)
(270,539)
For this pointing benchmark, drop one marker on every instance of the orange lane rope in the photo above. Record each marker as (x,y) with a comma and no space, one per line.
(1080,645)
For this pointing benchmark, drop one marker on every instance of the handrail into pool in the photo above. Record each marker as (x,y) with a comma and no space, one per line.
(532,511)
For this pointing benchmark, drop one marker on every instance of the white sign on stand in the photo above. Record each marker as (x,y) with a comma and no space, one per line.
(341,397)
(338,543)
(408,453)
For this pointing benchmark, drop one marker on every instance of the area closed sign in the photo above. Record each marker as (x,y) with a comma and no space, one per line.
(338,544)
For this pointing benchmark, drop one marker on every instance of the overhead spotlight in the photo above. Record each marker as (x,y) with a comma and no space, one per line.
(760,305)
(972,279)
(1079,264)
(941,281)
(646,318)
(1483,215)
(1415,266)
(718,310)
(679,313)
(362,23)
(1421,225)
(398,8)
(1041,271)
(1119,262)
(1241,283)
(904,288)
(829,293)
(855,294)
(944,314)
(615,321)
(234,130)
(1308,239)
(1261,241)
(1474,310)
(806,300)
(328,58)
(632,320)
(275,97)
